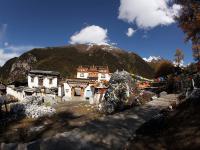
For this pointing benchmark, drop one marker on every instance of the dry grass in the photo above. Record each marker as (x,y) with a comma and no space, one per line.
(69,115)
(179,129)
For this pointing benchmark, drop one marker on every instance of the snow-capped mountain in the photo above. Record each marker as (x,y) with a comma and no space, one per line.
(152,58)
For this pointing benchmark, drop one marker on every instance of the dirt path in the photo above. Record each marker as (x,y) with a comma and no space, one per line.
(110,132)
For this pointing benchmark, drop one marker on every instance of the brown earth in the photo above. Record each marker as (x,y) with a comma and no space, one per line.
(179,129)
(69,115)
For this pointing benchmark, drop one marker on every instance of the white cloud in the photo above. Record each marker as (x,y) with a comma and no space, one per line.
(151,58)
(130,32)
(6,56)
(148,13)
(11,51)
(90,35)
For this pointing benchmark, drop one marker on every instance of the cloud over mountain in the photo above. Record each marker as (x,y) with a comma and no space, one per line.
(9,51)
(6,56)
(148,13)
(130,32)
(90,35)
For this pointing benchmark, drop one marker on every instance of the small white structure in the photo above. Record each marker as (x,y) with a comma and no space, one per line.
(83,89)
(40,83)
(40,78)
(80,89)
(67,90)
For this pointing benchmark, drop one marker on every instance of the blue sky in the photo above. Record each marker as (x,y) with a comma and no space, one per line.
(43,23)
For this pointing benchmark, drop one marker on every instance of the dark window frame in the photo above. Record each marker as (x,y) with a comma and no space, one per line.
(82,75)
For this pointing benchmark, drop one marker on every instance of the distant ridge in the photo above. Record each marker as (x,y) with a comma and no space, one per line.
(66,59)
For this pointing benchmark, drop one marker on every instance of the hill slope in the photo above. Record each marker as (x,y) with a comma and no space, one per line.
(178,130)
(66,59)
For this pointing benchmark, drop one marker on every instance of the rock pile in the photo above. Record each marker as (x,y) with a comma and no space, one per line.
(118,93)
(32,107)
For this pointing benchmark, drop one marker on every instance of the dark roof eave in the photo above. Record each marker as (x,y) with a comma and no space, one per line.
(42,72)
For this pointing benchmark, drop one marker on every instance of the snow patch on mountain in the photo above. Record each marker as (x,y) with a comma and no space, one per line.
(103,47)
(152,58)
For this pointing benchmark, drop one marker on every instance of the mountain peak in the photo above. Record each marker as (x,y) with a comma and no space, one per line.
(152,59)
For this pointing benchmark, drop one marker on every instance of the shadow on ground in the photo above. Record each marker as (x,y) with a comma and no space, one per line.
(108,132)
(178,130)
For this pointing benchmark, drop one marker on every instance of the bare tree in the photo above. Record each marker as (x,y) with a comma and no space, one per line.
(179,56)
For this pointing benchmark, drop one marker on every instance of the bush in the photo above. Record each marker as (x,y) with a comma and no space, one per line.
(164,68)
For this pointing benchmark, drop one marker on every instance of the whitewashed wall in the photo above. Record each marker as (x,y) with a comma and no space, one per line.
(61,91)
(88,88)
(46,82)
(67,90)
(17,95)
(107,77)
(34,83)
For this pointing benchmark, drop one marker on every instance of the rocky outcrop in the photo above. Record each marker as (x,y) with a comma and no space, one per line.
(20,68)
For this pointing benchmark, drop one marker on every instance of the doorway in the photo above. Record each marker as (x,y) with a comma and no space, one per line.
(78,91)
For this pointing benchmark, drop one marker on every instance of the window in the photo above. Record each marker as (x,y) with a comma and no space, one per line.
(82,75)
(50,81)
(103,76)
(32,79)
(41,82)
